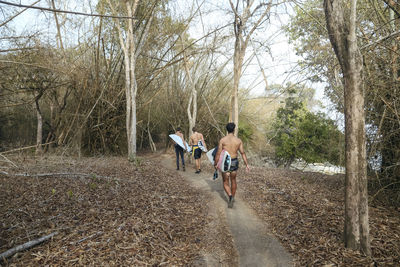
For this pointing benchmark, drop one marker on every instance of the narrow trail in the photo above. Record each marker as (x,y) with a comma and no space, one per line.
(254,245)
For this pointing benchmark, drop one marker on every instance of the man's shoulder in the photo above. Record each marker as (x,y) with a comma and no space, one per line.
(223,139)
(231,140)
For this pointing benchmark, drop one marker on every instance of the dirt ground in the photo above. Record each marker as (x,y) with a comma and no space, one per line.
(108,211)
(251,241)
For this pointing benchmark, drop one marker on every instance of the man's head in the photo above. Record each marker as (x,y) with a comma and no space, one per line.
(179,129)
(230,127)
(194,129)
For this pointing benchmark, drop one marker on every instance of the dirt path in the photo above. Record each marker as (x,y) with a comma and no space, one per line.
(254,246)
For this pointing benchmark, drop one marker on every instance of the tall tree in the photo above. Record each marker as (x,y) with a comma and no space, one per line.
(131,41)
(378,39)
(341,24)
(192,104)
(247,19)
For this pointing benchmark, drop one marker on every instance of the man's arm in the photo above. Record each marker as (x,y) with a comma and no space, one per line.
(183,141)
(204,142)
(190,140)
(241,150)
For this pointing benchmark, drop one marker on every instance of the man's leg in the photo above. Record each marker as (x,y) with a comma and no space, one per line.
(199,163)
(233,183)
(225,179)
(177,157)
(183,160)
(197,156)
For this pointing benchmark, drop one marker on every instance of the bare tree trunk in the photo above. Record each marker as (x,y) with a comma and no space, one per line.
(242,39)
(131,45)
(39,130)
(151,142)
(341,25)
(237,73)
(394,51)
(60,43)
(192,105)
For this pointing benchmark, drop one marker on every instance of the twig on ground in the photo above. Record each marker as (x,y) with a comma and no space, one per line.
(9,161)
(25,246)
(23,148)
(88,237)
(75,175)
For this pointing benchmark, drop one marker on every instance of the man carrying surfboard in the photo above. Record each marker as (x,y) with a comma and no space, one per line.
(231,144)
(198,145)
(179,149)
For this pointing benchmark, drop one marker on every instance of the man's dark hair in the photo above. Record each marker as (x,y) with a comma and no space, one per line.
(178,129)
(194,129)
(230,127)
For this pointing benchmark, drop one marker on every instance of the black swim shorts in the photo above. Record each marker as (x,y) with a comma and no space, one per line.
(234,165)
(196,152)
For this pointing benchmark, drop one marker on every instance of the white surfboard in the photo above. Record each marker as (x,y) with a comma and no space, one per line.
(200,144)
(224,162)
(210,156)
(177,139)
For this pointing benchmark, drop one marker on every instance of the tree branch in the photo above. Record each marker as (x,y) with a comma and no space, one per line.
(25,246)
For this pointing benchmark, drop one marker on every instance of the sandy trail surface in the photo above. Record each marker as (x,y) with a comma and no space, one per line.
(252,241)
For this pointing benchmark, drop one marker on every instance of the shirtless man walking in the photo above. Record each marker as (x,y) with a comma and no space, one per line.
(196,151)
(232,144)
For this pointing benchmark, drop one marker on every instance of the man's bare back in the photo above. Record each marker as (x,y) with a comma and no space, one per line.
(196,151)
(232,144)
(195,138)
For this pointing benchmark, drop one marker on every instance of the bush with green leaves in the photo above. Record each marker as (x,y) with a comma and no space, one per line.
(245,132)
(301,134)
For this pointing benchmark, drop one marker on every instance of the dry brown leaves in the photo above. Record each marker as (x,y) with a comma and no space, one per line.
(306,212)
(119,214)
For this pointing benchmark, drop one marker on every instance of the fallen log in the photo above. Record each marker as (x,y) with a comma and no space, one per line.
(25,246)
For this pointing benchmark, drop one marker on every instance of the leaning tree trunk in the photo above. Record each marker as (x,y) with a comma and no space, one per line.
(341,25)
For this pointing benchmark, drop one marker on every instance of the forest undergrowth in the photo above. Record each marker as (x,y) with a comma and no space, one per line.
(107,210)
(306,212)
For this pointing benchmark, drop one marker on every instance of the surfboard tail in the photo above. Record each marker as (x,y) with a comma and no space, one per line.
(224,162)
